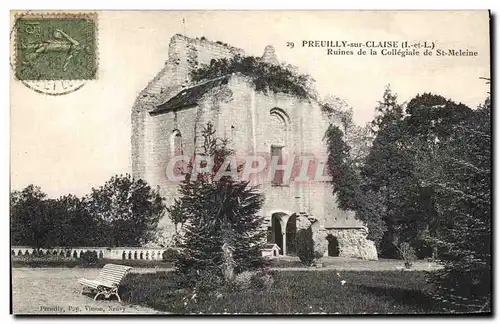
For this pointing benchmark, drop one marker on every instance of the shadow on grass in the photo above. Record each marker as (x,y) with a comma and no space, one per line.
(409,297)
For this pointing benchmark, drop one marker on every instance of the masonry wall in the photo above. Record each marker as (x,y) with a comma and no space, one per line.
(353,243)
(184,55)
(246,120)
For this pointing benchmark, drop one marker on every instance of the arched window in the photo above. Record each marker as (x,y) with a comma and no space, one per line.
(176,143)
(278,129)
(281,118)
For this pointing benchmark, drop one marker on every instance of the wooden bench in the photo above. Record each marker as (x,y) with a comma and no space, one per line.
(108,280)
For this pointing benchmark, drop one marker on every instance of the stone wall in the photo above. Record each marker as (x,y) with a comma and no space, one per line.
(353,243)
(184,55)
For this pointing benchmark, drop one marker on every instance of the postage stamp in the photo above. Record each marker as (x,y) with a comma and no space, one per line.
(57,52)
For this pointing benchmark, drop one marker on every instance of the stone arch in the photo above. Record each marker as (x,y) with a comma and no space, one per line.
(291,233)
(101,255)
(141,255)
(124,255)
(281,116)
(176,147)
(276,230)
(135,255)
(129,255)
(333,245)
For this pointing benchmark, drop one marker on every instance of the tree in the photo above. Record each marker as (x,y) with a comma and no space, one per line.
(305,246)
(430,121)
(223,233)
(388,171)
(40,222)
(28,217)
(463,194)
(127,211)
(71,223)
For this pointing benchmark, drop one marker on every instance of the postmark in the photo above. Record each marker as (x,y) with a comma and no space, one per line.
(55,53)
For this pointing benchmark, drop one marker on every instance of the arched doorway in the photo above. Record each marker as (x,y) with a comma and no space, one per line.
(291,231)
(333,246)
(277,237)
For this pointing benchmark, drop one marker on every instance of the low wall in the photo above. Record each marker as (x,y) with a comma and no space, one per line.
(115,253)
(353,242)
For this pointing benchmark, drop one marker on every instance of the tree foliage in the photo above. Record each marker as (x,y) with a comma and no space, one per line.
(463,195)
(430,165)
(305,246)
(123,212)
(127,211)
(265,76)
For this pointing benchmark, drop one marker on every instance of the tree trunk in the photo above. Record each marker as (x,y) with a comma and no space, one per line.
(227,250)
(228,266)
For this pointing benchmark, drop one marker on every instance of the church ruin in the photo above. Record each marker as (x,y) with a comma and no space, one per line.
(169,114)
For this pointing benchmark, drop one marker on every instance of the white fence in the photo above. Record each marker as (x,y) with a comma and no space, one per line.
(116,253)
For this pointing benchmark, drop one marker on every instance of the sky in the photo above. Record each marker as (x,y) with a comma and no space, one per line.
(71,143)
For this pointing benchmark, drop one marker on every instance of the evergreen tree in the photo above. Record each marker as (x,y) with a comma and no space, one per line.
(223,233)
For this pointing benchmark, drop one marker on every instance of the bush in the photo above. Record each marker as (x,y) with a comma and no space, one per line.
(257,280)
(407,253)
(244,280)
(305,246)
(169,255)
(89,257)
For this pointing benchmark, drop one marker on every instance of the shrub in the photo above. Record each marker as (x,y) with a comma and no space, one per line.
(257,280)
(407,253)
(244,280)
(169,255)
(265,76)
(89,257)
(305,246)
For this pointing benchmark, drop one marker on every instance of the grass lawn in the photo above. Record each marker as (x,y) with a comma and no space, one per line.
(296,292)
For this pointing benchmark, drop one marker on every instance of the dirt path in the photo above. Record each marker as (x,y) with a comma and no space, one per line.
(347,264)
(56,291)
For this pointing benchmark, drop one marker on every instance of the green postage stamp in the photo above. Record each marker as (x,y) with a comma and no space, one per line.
(54,47)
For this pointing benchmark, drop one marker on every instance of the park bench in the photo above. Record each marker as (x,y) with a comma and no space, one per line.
(108,280)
